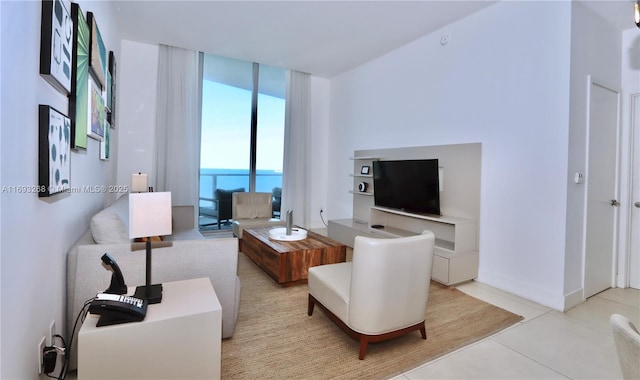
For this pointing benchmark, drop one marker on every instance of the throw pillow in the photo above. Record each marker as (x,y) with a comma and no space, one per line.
(107,227)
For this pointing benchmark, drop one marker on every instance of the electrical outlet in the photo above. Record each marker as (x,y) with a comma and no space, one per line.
(52,332)
(40,354)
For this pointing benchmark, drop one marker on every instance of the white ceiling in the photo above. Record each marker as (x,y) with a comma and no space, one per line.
(324,38)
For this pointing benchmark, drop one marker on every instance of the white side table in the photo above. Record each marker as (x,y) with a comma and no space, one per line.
(180,338)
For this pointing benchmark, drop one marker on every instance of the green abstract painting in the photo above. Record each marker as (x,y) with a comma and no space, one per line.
(79,98)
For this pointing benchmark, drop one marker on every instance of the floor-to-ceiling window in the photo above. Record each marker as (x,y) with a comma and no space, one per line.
(243,108)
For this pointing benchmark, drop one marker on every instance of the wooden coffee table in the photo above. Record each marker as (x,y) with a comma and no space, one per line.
(288,262)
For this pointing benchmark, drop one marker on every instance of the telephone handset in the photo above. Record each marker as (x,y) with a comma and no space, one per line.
(115,309)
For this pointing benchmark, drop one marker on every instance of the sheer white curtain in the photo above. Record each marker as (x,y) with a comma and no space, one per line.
(178,116)
(296,177)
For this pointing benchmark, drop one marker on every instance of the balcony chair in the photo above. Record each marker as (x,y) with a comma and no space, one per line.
(276,201)
(220,206)
(381,294)
(252,210)
(627,340)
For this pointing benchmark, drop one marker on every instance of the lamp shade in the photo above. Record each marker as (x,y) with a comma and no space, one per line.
(139,183)
(149,214)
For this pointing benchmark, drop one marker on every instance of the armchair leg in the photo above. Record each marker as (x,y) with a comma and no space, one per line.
(423,331)
(363,346)
(310,306)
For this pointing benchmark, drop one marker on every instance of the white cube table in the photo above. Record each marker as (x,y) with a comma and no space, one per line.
(180,338)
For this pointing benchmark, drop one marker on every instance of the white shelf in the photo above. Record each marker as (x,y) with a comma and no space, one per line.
(456,248)
(455,256)
(361,193)
(453,234)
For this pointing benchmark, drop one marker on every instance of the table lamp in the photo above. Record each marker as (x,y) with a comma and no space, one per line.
(149,216)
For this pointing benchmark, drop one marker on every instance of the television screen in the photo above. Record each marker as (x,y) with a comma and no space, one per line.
(408,185)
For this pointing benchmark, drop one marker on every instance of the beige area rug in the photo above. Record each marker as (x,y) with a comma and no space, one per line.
(275,339)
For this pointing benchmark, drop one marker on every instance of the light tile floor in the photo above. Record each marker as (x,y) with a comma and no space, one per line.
(547,344)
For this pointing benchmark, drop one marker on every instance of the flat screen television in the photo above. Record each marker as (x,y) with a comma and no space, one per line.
(407,185)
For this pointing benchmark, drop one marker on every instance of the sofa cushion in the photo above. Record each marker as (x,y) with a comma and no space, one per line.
(107,227)
(253,211)
(111,225)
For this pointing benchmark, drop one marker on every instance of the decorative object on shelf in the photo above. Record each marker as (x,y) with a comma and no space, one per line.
(149,216)
(111,91)
(139,183)
(54,151)
(79,97)
(95,126)
(55,45)
(365,170)
(363,186)
(97,52)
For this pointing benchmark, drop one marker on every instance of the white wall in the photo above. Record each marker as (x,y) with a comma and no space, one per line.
(138,78)
(595,51)
(37,234)
(502,80)
(320,117)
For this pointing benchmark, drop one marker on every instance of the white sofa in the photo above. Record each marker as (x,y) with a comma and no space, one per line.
(172,259)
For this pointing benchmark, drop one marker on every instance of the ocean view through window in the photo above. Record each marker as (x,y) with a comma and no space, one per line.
(242,135)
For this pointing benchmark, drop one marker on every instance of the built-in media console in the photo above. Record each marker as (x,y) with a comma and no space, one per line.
(407,194)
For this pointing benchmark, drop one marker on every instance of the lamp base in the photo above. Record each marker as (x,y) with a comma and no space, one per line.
(151,293)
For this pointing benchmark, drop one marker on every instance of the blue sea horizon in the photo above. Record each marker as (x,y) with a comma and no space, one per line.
(230,179)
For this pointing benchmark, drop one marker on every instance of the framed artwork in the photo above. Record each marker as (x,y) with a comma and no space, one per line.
(79,97)
(55,45)
(108,87)
(97,53)
(95,125)
(54,149)
(365,170)
(104,144)
(111,95)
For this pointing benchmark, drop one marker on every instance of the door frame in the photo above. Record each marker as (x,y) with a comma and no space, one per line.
(616,226)
(624,262)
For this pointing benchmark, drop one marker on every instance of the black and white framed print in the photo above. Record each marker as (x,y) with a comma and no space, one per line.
(56,36)
(54,151)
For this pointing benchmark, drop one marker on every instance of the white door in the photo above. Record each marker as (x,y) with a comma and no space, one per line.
(601,180)
(634,252)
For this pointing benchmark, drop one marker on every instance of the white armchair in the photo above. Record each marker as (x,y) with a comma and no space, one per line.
(627,340)
(252,210)
(380,295)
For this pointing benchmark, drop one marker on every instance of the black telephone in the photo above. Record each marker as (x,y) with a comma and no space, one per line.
(114,309)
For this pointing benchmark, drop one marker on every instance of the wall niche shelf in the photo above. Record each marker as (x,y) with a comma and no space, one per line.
(358,163)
